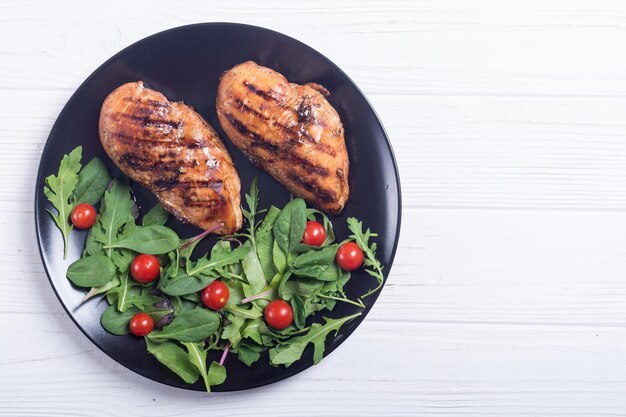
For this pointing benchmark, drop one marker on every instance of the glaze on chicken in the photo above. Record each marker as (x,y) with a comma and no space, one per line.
(288,130)
(170,149)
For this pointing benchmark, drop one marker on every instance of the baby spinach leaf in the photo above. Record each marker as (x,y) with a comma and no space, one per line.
(58,189)
(190,326)
(153,240)
(265,242)
(92,181)
(251,313)
(279,258)
(291,350)
(322,257)
(329,272)
(216,374)
(115,321)
(157,216)
(91,271)
(254,273)
(299,312)
(289,226)
(175,358)
(185,284)
(221,258)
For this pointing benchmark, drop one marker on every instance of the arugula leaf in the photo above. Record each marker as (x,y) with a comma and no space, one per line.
(190,326)
(153,240)
(286,353)
(232,331)
(214,375)
(249,353)
(91,271)
(156,216)
(289,226)
(372,265)
(175,358)
(59,188)
(92,182)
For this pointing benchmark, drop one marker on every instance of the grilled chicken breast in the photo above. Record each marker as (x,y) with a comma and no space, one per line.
(288,130)
(170,149)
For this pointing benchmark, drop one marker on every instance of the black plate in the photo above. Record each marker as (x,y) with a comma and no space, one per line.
(185,64)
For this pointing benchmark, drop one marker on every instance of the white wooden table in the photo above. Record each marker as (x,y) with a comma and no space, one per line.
(508,295)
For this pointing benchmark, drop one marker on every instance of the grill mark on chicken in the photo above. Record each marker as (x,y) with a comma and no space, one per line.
(176,154)
(147,102)
(151,142)
(312,186)
(151,164)
(151,122)
(283,153)
(245,108)
(270,95)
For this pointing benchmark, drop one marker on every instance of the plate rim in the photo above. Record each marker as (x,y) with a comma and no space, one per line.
(100,68)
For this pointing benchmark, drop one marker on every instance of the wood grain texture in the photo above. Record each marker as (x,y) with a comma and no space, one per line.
(508,295)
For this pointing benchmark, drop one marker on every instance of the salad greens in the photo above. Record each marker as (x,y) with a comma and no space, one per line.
(265,262)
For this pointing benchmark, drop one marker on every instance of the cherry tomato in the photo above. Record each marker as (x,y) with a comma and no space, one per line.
(141,324)
(145,268)
(215,296)
(314,234)
(83,216)
(278,314)
(349,256)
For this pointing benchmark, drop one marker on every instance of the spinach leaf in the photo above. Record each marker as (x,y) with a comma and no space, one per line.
(254,273)
(322,257)
(92,181)
(240,311)
(127,294)
(299,312)
(291,350)
(157,216)
(153,240)
(279,258)
(175,358)
(58,189)
(190,326)
(265,242)
(185,284)
(115,321)
(91,271)
(289,226)
(219,258)
(372,265)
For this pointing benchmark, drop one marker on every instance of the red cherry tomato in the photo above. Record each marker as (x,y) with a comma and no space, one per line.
(314,234)
(141,324)
(83,216)
(145,268)
(215,296)
(278,314)
(349,256)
